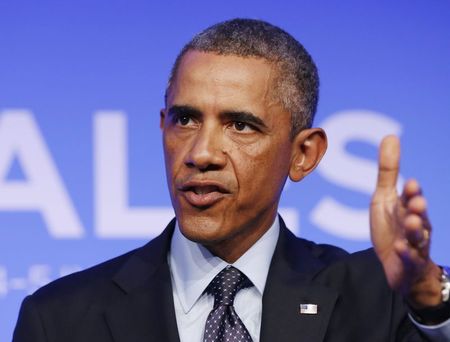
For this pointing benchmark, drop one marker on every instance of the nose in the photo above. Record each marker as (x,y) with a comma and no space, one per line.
(207,150)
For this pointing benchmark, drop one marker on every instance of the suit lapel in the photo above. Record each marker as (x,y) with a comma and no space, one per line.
(145,312)
(289,284)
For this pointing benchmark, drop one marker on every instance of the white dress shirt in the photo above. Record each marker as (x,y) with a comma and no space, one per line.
(435,333)
(192,269)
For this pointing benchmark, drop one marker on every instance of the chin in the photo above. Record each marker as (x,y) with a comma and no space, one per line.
(201,229)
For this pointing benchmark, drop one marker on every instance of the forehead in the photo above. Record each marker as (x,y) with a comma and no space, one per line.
(209,77)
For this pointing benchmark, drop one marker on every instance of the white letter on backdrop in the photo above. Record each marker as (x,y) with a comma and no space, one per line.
(43,190)
(114,218)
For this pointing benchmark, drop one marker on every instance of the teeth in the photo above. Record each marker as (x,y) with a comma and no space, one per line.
(205,189)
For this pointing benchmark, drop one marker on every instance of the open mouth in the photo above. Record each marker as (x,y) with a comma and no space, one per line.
(203,194)
(203,190)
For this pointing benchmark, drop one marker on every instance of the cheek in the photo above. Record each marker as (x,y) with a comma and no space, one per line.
(261,168)
(172,153)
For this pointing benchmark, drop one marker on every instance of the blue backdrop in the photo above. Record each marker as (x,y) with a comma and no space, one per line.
(81,86)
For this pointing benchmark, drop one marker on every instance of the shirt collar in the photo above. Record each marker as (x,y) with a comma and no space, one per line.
(193,266)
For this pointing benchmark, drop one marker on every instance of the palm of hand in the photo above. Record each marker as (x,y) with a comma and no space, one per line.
(400,231)
(386,212)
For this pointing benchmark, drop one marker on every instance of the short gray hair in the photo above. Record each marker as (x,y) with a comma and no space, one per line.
(297,84)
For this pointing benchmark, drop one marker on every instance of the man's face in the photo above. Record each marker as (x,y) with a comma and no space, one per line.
(227,150)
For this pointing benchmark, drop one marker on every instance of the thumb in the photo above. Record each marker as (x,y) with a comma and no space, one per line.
(388,164)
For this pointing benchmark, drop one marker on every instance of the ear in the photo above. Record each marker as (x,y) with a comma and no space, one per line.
(309,146)
(162,117)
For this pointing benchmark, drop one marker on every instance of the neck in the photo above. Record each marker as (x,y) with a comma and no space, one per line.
(231,250)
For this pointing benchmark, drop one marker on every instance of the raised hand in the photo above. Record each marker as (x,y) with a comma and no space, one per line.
(401,232)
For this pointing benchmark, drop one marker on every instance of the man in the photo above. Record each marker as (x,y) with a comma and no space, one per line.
(237,122)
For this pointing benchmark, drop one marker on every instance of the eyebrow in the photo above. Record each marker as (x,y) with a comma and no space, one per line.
(179,110)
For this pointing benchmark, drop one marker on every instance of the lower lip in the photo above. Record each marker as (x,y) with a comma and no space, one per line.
(203,200)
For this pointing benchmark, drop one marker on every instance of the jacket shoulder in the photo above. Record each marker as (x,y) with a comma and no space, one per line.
(100,280)
(83,284)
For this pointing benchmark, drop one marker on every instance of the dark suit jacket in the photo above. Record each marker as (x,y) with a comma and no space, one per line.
(129,299)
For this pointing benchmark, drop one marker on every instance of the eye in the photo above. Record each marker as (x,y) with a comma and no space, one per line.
(241,126)
(183,120)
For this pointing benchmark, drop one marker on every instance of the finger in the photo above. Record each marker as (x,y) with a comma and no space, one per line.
(413,229)
(417,205)
(417,235)
(415,202)
(411,258)
(388,163)
(410,190)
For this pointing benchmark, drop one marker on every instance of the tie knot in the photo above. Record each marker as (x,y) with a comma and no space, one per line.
(226,284)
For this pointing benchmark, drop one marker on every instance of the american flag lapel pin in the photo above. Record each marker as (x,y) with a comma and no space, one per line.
(308,309)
